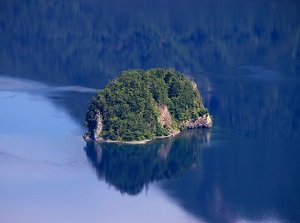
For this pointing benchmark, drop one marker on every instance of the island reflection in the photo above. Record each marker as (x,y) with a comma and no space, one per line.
(130,168)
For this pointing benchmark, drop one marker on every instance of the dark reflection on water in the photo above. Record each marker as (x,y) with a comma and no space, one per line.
(129,168)
(251,108)
(249,179)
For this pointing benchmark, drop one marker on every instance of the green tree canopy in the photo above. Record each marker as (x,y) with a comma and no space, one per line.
(128,106)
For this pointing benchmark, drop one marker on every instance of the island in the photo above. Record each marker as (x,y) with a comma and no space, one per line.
(139,106)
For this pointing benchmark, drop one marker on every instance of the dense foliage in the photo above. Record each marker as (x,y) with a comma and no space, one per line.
(129,104)
(73,42)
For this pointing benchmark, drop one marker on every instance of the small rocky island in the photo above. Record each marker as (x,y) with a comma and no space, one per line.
(140,106)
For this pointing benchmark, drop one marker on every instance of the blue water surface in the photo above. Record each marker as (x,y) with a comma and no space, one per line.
(244,57)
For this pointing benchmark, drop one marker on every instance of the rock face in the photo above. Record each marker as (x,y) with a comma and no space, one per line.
(164,117)
(194,85)
(204,121)
(95,134)
(99,127)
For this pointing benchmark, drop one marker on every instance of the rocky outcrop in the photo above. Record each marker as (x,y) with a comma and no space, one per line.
(95,134)
(164,118)
(204,121)
(194,85)
(99,127)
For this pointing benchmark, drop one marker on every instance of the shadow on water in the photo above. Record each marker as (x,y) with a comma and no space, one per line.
(131,168)
(255,181)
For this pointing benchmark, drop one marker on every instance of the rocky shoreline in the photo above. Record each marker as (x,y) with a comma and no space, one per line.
(100,139)
(204,121)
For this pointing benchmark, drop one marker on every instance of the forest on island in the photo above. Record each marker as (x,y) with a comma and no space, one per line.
(129,104)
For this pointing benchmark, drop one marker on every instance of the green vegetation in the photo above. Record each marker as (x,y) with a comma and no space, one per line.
(128,106)
(73,42)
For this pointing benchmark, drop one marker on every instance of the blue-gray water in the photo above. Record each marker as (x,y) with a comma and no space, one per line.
(245,58)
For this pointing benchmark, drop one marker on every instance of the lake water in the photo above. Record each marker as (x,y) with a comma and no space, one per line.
(245,59)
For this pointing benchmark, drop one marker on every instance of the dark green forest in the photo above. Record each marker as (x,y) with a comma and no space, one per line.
(74,42)
(129,104)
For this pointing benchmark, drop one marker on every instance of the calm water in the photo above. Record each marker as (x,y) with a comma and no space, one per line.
(245,58)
